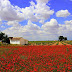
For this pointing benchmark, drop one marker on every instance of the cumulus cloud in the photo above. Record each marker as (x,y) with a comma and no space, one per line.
(37,12)
(42,1)
(13,23)
(66,29)
(31,27)
(41,21)
(48,31)
(24,31)
(69,25)
(30,31)
(0,21)
(8,12)
(34,12)
(51,26)
(62,13)
(42,11)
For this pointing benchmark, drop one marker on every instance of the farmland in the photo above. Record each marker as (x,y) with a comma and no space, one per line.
(42,42)
(50,56)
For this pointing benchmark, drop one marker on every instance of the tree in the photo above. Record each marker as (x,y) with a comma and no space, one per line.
(61,38)
(65,38)
(4,38)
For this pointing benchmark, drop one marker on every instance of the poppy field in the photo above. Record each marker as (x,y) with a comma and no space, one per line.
(56,58)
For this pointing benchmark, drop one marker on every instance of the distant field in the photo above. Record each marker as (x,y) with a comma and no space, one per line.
(50,42)
(42,42)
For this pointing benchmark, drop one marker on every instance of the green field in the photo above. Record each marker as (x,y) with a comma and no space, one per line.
(42,42)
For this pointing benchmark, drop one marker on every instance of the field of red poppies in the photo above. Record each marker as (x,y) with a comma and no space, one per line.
(36,58)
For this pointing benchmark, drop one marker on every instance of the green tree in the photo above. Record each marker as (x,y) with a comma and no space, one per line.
(65,38)
(4,38)
(61,38)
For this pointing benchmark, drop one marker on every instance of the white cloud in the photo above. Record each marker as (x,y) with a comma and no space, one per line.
(49,31)
(13,23)
(41,21)
(69,25)
(0,21)
(28,13)
(34,12)
(42,11)
(62,13)
(51,26)
(42,1)
(9,12)
(66,29)
(25,31)
(31,26)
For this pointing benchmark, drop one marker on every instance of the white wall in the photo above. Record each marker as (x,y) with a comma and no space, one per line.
(21,41)
(14,42)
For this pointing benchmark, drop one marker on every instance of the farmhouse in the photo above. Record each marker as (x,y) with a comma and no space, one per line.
(18,40)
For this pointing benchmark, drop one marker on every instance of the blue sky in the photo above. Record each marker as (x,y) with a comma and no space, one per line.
(36,19)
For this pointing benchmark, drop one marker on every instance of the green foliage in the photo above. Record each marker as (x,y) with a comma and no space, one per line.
(57,43)
(4,38)
(0,43)
(61,38)
(2,35)
(41,42)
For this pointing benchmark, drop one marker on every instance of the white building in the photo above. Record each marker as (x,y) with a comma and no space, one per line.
(18,40)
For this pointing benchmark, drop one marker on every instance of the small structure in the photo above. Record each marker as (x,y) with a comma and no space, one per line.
(18,40)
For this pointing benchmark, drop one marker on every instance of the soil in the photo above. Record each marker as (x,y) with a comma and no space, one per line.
(60,43)
(54,43)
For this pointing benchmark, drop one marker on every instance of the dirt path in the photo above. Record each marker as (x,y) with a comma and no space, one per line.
(60,43)
(66,43)
(55,43)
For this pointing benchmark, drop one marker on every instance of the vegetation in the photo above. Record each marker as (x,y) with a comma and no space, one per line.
(36,58)
(41,42)
(61,38)
(4,38)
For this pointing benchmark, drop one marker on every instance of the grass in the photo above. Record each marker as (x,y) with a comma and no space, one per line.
(41,42)
(57,43)
(68,42)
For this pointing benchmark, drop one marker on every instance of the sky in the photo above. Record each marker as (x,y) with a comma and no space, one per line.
(36,20)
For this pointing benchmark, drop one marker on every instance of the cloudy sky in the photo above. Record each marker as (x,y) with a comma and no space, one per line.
(36,19)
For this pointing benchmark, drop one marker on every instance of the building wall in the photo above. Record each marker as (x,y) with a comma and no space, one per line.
(22,41)
(14,41)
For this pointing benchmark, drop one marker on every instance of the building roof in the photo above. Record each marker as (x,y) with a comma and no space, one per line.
(15,38)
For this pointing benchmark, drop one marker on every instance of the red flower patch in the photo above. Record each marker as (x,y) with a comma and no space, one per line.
(36,58)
